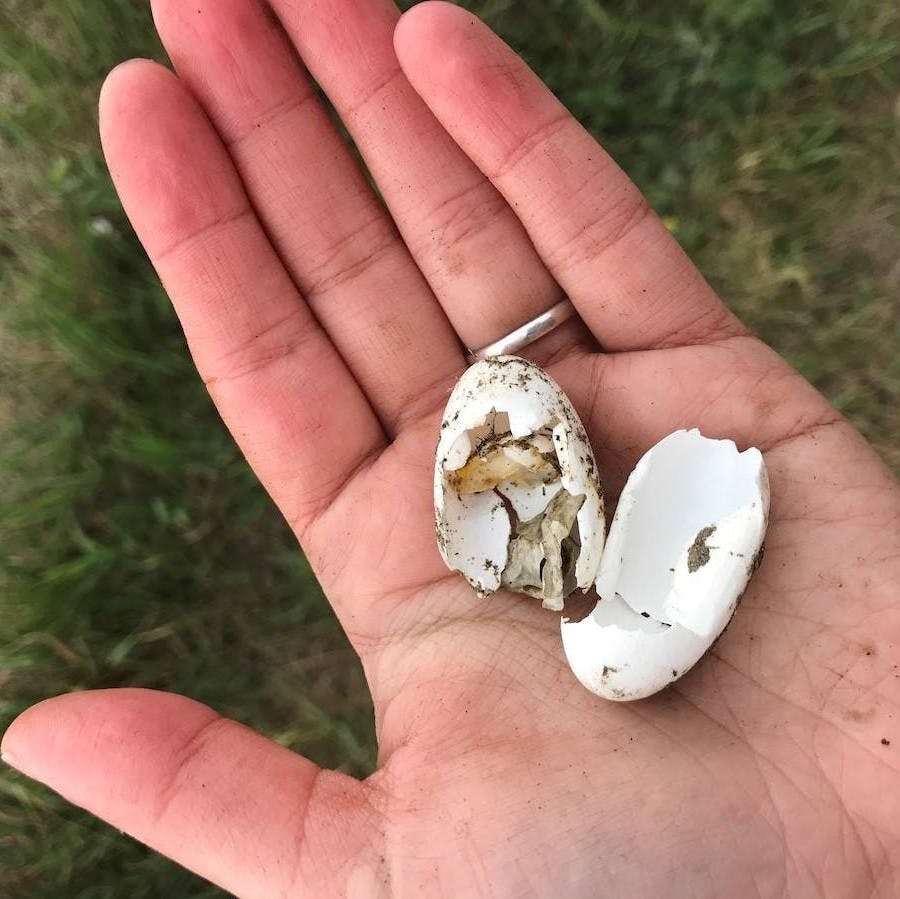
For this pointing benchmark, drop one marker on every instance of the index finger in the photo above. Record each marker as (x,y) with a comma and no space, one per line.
(630,280)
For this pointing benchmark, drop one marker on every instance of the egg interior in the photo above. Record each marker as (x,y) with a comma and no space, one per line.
(524,476)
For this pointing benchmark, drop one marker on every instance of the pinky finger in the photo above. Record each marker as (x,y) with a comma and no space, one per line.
(218,798)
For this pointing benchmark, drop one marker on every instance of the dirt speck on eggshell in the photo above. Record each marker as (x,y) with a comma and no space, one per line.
(698,554)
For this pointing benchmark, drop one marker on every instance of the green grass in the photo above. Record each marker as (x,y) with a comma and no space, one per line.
(136,547)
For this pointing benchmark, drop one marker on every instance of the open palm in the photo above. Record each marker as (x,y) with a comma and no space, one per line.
(329,331)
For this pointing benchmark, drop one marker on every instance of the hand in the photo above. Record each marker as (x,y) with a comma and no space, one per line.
(329,345)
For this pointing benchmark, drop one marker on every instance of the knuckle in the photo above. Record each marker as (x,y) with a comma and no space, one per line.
(597,235)
(351,256)
(465,215)
(262,348)
(186,758)
(531,142)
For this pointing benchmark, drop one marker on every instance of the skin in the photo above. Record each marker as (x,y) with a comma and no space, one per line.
(329,345)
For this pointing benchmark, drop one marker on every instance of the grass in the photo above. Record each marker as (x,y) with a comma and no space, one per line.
(136,547)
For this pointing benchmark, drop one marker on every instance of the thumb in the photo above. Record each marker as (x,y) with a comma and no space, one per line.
(213,795)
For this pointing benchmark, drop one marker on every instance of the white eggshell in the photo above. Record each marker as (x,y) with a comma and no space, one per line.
(473,531)
(683,544)
(528,501)
(620,655)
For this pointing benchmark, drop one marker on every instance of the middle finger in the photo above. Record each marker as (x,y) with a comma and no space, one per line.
(465,238)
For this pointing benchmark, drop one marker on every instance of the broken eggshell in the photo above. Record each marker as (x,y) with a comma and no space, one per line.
(683,544)
(517,499)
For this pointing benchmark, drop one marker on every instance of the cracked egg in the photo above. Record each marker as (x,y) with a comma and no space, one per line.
(517,500)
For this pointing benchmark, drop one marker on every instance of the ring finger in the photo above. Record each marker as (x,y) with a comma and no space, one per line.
(463,235)
(328,227)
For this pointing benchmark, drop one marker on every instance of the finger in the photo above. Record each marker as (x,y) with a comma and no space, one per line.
(237,809)
(278,382)
(334,236)
(631,282)
(462,233)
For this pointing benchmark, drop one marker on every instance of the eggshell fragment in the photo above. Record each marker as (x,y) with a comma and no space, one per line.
(620,655)
(683,543)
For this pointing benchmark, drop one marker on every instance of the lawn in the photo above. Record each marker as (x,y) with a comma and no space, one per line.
(136,547)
